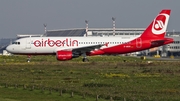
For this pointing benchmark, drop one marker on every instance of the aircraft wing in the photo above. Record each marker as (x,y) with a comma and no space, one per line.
(84,49)
(87,48)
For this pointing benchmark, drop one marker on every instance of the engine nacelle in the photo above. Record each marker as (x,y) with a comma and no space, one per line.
(65,55)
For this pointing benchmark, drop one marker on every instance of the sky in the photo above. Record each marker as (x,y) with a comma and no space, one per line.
(28,16)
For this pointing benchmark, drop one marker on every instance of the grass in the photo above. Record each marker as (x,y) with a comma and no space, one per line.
(106,76)
(12,94)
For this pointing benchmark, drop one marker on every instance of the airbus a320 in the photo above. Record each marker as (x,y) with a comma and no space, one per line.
(67,48)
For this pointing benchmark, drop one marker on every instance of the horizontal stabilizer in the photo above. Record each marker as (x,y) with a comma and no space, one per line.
(164,41)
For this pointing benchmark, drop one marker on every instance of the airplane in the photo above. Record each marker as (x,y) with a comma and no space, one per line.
(67,48)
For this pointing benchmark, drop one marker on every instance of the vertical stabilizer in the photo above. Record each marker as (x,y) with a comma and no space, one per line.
(157,29)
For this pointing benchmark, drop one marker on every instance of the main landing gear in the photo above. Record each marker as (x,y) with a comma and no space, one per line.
(85,59)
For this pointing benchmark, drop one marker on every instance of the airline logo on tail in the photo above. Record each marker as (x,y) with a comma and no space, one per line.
(160,24)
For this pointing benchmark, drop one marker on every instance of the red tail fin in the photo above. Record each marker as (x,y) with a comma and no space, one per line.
(157,29)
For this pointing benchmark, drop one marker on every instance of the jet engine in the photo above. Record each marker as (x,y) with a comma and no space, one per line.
(65,55)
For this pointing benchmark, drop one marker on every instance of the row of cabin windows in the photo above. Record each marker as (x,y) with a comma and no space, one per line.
(98,42)
(117,33)
(102,42)
(175,47)
(176,42)
(17,43)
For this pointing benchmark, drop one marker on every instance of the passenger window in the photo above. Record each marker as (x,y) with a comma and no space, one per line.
(18,43)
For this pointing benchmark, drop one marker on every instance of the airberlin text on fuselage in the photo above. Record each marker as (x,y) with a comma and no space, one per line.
(55,43)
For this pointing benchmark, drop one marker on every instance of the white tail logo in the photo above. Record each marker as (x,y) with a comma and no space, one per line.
(158,26)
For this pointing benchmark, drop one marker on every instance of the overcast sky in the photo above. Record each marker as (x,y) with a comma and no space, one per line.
(28,16)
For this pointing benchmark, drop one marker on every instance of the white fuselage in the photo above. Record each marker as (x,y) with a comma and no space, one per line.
(50,45)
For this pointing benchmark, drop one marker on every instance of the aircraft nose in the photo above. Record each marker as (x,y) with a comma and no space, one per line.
(9,48)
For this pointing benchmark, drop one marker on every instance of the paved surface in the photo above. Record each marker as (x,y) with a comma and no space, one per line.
(162,58)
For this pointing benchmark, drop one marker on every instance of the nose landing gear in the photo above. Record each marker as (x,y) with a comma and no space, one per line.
(28,58)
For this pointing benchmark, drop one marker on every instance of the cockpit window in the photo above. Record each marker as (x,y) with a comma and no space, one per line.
(17,43)
(14,43)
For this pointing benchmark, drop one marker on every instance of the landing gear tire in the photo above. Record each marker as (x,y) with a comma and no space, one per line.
(29,58)
(85,59)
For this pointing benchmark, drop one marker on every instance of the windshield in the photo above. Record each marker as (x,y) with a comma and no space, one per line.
(17,43)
